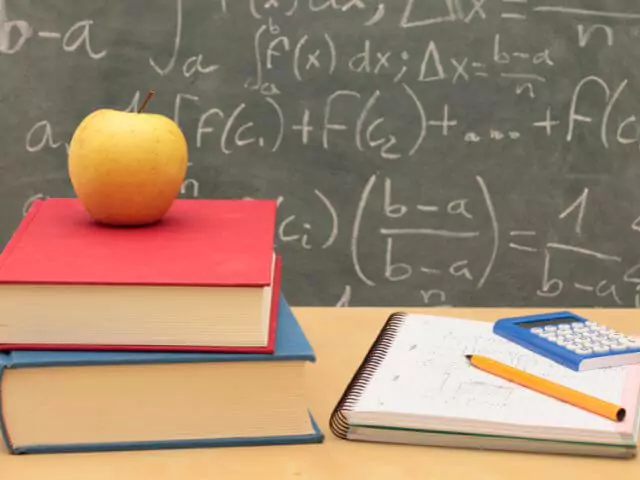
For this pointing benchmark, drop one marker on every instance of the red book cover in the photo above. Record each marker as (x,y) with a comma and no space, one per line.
(199,242)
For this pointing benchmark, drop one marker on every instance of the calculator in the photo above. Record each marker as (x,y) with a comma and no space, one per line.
(570,340)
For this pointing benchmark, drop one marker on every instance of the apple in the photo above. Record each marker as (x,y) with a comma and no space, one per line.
(127,168)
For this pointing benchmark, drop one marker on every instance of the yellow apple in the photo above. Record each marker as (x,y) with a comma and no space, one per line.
(127,168)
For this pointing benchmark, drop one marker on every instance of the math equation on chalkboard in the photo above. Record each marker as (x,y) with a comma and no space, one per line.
(438,153)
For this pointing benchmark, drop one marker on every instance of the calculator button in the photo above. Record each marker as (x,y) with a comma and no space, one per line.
(575,325)
(601,349)
(537,330)
(551,328)
(552,338)
(573,347)
(614,336)
(583,351)
(564,327)
(618,347)
(563,343)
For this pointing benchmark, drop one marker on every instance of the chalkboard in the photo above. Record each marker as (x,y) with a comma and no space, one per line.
(442,152)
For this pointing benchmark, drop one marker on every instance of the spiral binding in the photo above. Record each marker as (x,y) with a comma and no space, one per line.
(338,421)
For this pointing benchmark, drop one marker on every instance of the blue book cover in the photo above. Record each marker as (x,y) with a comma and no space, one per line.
(291,345)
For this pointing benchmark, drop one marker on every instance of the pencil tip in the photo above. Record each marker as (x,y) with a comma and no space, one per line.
(621,414)
(468,357)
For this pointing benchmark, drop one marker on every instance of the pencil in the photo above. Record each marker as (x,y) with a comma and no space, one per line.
(551,389)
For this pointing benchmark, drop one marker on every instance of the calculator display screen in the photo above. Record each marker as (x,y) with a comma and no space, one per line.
(544,323)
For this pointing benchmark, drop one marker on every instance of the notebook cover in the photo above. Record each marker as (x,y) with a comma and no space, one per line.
(338,422)
(268,348)
(199,242)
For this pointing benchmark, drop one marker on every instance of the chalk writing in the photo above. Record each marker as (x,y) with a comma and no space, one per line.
(436,153)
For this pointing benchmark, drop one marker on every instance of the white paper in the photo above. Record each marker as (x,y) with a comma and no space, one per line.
(426,373)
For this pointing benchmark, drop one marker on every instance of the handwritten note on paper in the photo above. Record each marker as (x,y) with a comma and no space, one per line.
(426,373)
(441,152)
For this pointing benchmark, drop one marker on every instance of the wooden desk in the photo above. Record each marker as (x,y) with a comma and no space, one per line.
(340,337)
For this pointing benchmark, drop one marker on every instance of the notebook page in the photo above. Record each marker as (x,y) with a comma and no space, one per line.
(426,373)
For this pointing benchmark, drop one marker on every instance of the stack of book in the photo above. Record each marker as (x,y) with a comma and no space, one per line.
(166,336)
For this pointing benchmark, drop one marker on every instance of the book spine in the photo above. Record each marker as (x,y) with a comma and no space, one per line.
(4,432)
(338,423)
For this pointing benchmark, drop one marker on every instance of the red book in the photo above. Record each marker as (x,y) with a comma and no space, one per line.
(205,278)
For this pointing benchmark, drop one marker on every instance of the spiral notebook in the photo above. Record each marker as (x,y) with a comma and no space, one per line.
(415,386)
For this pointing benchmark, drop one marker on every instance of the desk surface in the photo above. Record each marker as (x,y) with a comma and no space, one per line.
(340,337)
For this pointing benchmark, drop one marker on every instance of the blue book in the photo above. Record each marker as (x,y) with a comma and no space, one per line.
(64,401)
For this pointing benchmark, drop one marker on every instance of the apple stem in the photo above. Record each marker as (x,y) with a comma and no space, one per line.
(146,100)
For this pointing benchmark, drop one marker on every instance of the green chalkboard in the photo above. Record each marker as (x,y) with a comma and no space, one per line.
(443,152)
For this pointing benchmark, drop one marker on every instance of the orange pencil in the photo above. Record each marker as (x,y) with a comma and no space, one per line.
(546,387)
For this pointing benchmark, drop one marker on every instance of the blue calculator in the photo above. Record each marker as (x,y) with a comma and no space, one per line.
(570,340)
